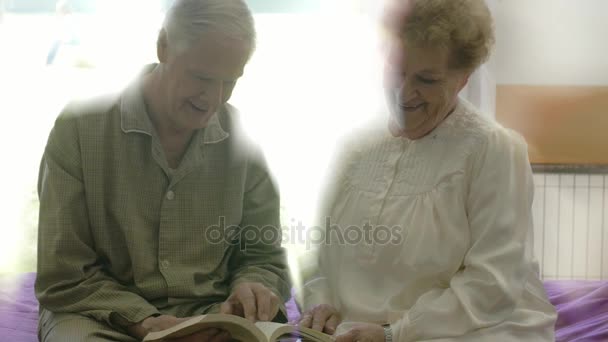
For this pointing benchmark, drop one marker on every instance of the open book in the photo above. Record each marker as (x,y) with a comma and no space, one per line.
(240,329)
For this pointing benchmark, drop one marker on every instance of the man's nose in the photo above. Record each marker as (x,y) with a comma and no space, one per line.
(214,93)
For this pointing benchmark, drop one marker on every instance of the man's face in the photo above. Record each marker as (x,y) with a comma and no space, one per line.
(200,80)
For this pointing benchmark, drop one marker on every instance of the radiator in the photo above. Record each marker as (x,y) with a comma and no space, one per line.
(570,225)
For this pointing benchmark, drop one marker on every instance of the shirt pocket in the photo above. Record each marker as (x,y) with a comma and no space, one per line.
(218,242)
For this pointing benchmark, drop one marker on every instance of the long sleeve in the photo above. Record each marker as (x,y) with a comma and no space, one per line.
(317,263)
(484,292)
(71,275)
(259,256)
(314,264)
(316,287)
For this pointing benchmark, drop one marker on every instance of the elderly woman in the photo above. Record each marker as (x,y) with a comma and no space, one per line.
(442,200)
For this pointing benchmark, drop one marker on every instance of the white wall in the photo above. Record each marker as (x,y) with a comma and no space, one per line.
(561,42)
(481,88)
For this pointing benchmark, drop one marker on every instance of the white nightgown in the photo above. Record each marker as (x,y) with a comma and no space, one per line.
(459,265)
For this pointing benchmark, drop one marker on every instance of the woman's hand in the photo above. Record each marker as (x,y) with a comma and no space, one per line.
(363,332)
(323,317)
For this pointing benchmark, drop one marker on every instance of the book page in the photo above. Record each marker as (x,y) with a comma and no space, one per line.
(240,328)
(274,331)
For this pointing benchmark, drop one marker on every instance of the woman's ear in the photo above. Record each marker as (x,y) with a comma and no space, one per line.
(463,81)
(162,46)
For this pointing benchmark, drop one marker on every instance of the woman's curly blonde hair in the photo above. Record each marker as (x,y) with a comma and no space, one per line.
(465,27)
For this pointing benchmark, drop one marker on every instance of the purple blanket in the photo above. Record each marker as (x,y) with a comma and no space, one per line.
(582,309)
(18,309)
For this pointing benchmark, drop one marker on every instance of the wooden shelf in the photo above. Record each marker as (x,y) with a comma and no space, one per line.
(565,125)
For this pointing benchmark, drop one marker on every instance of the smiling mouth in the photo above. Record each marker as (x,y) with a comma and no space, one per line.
(410,108)
(199,108)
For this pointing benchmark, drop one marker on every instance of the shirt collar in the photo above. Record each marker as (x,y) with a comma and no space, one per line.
(135,119)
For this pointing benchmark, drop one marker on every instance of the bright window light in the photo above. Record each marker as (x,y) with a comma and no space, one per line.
(314,76)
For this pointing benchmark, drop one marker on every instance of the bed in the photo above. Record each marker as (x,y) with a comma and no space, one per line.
(19,308)
(582,309)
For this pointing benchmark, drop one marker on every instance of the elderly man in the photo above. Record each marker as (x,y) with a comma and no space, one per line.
(135,189)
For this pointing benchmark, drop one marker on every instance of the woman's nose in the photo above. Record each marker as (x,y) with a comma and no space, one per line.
(406,90)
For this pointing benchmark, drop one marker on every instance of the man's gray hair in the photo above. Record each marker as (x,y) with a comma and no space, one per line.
(187,20)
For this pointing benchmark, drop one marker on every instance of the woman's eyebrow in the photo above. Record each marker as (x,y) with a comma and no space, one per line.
(430,71)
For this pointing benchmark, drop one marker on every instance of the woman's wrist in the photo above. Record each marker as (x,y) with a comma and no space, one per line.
(388,333)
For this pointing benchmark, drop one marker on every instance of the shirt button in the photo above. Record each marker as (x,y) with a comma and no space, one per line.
(165,264)
(170,195)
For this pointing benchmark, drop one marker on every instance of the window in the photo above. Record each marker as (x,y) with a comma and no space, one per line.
(313,77)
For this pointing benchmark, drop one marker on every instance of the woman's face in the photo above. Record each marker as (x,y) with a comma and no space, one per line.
(420,88)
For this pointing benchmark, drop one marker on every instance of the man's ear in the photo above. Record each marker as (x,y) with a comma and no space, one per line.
(162,46)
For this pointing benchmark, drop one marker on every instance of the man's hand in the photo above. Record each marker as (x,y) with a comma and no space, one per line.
(151,324)
(363,333)
(253,301)
(323,317)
